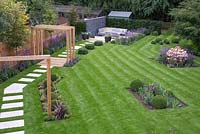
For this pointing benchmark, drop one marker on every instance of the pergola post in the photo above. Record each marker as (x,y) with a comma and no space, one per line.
(49,85)
(41,41)
(34,57)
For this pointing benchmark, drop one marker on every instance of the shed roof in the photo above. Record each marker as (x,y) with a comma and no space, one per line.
(120,14)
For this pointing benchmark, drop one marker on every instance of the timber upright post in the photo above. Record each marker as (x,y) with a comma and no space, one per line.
(49,85)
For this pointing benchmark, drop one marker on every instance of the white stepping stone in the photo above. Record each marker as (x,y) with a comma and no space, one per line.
(12,105)
(11,124)
(77,47)
(83,44)
(18,132)
(26,80)
(62,55)
(46,67)
(39,71)
(33,75)
(11,114)
(14,88)
(16,97)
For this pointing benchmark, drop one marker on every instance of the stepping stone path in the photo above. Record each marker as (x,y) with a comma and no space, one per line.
(12,103)
(64,54)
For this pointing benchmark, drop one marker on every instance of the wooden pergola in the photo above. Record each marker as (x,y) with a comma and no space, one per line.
(37,42)
(35,57)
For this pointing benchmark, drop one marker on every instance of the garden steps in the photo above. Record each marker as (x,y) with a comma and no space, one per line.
(13,104)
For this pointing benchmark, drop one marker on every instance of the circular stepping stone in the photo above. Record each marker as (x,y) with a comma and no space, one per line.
(11,114)
(26,80)
(12,105)
(77,47)
(11,124)
(14,88)
(16,97)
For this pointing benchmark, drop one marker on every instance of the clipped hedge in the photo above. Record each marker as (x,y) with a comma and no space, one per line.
(80,27)
(82,51)
(89,46)
(134,24)
(98,43)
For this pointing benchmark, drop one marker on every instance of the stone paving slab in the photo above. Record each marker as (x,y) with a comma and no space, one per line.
(77,47)
(11,124)
(83,44)
(26,80)
(11,114)
(9,98)
(62,55)
(33,75)
(46,66)
(14,88)
(39,71)
(18,132)
(12,105)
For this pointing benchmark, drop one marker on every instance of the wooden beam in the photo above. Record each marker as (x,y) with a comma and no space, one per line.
(73,35)
(49,85)
(24,58)
(41,41)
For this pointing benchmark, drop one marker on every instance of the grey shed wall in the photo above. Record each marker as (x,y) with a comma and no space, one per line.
(92,25)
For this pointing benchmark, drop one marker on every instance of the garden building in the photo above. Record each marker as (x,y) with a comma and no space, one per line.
(120,14)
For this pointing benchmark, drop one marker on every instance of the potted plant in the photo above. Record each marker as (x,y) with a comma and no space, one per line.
(85,36)
(108,38)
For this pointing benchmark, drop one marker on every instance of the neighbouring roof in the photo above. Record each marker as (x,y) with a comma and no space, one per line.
(120,14)
(79,9)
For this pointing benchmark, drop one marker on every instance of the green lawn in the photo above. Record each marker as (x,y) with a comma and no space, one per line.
(95,90)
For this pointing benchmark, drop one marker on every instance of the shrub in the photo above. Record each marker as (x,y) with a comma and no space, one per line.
(161,42)
(176,40)
(89,46)
(82,51)
(147,32)
(72,62)
(166,41)
(54,77)
(155,33)
(159,102)
(153,42)
(158,40)
(60,111)
(98,43)
(135,24)
(136,85)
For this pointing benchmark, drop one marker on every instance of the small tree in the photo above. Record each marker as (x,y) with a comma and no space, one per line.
(188,21)
(72,15)
(13,20)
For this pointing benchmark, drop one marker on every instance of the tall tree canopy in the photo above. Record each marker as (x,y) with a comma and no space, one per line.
(40,11)
(187,18)
(155,9)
